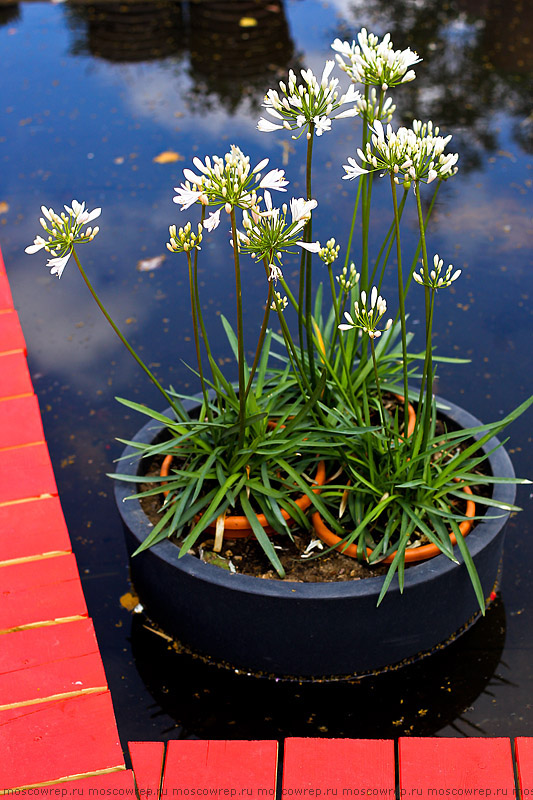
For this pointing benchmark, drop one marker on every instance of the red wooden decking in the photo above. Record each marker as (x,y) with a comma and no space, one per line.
(58,736)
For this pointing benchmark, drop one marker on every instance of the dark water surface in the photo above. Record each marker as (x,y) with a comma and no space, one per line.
(91,94)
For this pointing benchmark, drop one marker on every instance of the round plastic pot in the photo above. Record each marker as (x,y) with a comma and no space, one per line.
(306,630)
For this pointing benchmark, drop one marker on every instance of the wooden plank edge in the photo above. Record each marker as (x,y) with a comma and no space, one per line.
(59,781)
(37,557)
(42,623)
(44,496)
(60,696)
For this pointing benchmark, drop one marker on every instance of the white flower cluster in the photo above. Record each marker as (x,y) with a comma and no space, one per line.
(228,182)
(330,252)
(63,233)
(282,302)
(348,279)
(372,62)
(309,103)
(268,234)
(184,240)
(369,318)
(415,153)
(436,280)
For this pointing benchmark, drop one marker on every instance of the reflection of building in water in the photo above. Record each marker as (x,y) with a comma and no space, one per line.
(9,12)
(130,32)
(238,48)
(247,44)
(506,34)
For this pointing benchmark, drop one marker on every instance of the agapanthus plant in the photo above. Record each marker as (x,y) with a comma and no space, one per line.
(341,391)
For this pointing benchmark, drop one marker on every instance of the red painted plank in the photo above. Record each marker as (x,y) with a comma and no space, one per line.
(14,375)
(6,298)
(57,740)
(20,422)
(524,763)
(42,663)
(32,528)
(476,767)
(36,592)
(221,769)
(344,767)
(147,759)
(26,472)
(11,336)
(111,784)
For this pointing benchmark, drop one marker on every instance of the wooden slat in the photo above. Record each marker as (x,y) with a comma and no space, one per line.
(26,472)
(6,299)
(40,664)
(342,767)
(524,765)
(20,422)
(58,740)
(147,760)
(220,769)
(15,378)
(33,528)
(478,768)
(39,592)
(108,784)
(11,336)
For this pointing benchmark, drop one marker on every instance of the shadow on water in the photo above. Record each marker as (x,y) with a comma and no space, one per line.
(415,700)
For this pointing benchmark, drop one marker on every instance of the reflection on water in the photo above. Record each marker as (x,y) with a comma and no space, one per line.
(98,91)
(416,700)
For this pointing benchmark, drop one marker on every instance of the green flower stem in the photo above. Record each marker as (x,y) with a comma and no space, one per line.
(308,264)
(419,246)
(401,303)
(382,411)
(179,414)
(352,227)
(196,335)
(240,331)
(200,315)
(427,377)
(345,362)
(387,242)
(262,335)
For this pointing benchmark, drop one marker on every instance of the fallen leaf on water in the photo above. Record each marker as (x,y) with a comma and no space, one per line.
(167,157)
(148,264)
(4,207)
(129,601)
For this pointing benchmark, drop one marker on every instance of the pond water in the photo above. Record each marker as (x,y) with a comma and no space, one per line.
(96,92)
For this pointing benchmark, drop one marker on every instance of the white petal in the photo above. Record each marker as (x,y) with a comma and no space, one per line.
(57,265)
(313,247)
(213,220)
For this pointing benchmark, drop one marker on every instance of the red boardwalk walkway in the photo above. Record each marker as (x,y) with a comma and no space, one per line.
(58,736)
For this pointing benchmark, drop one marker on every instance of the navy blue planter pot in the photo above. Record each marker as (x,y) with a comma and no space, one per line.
(316,629)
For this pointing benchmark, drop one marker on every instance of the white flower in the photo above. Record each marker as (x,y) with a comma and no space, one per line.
(372,62)
(213,220)
(63,233)
(80,215)
(186,196)
(282,302)
(353,170)
(275,179)
(415,153)
(275,272)
(310,104)
(57,265)
(367,318)
(227,181)
(435,279)
(313,247)
(301,210)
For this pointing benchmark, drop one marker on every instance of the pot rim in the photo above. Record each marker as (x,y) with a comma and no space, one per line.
(136,521)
